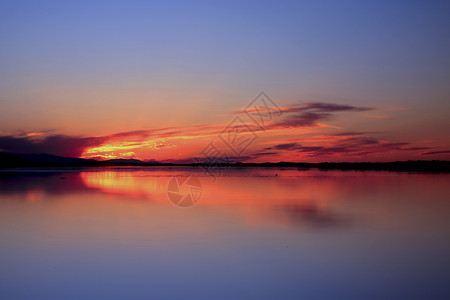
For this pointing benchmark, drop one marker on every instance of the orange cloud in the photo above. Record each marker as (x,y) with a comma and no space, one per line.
(302,124)
(34,134)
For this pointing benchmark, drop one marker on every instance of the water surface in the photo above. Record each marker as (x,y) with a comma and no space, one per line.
(252,234)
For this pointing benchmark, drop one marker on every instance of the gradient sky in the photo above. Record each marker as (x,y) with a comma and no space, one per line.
(355,80)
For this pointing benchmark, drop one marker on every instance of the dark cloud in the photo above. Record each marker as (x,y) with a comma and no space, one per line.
(56,144)
(141,133)
(72,146)
(435,152)
(265,153)
(416,148)
(356,146)
(353,133)
(310,114)
(304,119)
(363,140)
(331,107)
(284,146)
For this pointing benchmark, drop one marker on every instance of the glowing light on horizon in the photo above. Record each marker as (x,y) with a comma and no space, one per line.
(122,149)
(31,134)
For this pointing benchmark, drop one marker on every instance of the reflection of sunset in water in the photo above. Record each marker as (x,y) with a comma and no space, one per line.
(312,198)
(255,204)
(129,184)
(258,189)
(293,230)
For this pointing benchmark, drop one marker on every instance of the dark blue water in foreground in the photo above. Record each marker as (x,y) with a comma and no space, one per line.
(250,235)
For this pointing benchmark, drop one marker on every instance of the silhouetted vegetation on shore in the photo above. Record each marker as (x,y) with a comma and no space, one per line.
(9,160)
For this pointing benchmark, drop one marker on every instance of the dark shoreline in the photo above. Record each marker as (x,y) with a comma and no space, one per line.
(12,161)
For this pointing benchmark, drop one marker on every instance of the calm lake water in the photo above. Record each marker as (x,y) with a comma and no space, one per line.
(252,234)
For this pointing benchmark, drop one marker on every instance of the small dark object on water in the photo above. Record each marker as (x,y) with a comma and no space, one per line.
(276,174)
(63,177)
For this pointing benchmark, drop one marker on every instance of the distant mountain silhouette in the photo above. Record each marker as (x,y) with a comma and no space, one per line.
(14,160)
(54,159)
(8,160)
(11,160)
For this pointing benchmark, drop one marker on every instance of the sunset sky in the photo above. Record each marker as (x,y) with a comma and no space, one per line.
(161,80)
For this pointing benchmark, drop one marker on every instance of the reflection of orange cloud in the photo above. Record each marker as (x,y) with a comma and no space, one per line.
(298,197)
(130,184)
(35,195)
(153,185)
